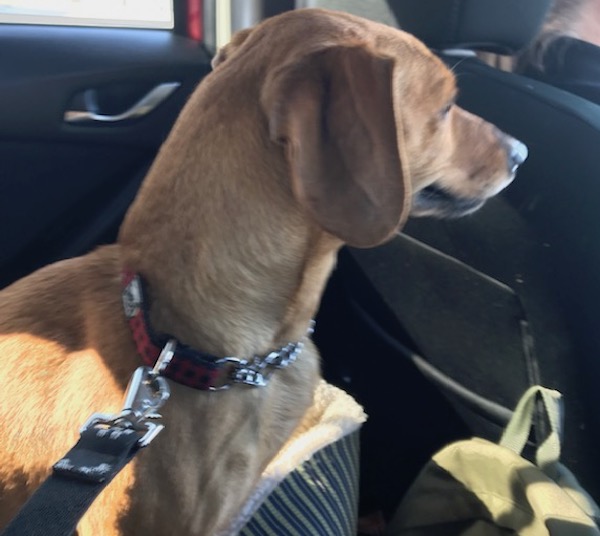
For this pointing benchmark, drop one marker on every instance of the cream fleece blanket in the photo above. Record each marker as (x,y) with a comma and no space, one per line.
(333,415)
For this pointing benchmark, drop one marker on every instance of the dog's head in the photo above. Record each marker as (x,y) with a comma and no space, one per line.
(367,117)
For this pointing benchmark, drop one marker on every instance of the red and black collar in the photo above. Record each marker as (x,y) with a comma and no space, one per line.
(191,367)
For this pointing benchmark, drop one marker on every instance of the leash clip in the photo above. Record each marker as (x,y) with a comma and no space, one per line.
(146,393)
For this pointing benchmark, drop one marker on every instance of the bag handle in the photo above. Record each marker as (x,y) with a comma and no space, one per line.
(518,429)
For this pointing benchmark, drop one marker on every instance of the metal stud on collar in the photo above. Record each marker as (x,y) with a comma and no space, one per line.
(257,370)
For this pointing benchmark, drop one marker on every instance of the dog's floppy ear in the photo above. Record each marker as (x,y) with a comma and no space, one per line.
(226,50)
(334,112)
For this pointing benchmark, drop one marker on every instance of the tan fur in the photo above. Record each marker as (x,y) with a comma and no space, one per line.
(235,229)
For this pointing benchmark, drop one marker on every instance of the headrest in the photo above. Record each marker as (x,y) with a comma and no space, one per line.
(501,26)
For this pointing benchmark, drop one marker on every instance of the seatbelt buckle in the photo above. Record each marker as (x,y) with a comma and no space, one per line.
(115,424)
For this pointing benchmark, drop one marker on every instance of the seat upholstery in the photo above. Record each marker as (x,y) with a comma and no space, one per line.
(501,26)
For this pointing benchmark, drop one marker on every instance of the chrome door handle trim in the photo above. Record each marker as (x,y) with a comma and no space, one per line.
(142,107)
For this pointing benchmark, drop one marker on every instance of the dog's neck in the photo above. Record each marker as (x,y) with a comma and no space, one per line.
(233,267)
(228,303)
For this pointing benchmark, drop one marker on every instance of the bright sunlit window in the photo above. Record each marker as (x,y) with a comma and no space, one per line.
(124,13)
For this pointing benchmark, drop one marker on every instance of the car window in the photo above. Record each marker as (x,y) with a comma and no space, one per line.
(114,13)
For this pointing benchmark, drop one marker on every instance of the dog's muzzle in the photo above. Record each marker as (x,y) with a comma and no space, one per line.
(441,202)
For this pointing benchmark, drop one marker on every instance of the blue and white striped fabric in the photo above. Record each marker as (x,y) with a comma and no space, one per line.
(311,487)
(319,498)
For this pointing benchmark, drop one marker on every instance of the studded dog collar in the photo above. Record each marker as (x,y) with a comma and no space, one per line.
(193,368)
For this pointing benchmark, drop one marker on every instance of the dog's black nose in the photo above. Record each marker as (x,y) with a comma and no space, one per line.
(517,154)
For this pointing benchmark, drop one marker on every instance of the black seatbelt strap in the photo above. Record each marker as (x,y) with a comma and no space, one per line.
(107,443)
(77,479)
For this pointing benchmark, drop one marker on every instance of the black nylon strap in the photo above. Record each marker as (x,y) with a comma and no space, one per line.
(77,479)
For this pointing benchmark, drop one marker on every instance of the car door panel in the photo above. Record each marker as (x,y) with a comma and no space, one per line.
(64,187)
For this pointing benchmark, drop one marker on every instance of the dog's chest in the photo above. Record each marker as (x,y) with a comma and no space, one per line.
(211,454)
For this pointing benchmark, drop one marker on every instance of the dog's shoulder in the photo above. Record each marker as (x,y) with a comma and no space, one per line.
(58,295)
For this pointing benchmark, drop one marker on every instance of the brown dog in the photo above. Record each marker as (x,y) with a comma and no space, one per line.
(316,129)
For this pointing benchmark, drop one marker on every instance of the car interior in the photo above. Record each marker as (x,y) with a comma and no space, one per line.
(454,319)
(438,332)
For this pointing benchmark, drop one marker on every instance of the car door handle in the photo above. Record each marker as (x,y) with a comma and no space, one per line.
(142,107)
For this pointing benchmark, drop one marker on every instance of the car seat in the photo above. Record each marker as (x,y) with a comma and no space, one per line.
(485,306)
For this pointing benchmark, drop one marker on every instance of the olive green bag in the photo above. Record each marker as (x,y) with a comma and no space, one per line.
(479,488)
